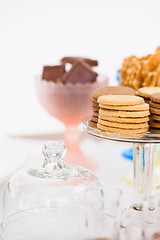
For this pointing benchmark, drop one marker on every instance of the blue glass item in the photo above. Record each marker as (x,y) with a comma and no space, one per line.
(128,154)
(118,77)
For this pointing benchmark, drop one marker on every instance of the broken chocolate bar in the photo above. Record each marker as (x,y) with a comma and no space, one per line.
(72,60)
(80,72)
(52,73)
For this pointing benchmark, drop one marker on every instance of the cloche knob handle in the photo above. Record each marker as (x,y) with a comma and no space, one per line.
(54,152)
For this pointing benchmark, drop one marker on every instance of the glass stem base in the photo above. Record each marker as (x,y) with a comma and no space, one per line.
(142,173)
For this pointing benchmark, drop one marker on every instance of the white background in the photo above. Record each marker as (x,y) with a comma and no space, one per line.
(38,32)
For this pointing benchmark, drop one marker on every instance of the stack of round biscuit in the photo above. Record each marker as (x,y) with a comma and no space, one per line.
(155,113)
(123,114)
(146,92)
(107,90)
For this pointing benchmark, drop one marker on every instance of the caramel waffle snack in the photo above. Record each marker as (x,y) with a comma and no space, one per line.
(131,72)
(141,72)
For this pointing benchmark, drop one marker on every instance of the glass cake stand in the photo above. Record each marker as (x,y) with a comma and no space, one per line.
(143,145)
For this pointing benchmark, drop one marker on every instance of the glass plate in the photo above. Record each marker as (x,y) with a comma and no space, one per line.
(123,137)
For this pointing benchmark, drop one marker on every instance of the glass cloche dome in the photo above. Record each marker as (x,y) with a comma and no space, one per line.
(49,201)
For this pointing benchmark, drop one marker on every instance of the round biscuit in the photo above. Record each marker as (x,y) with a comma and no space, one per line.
(92,124)
(120,130)
(120,135)
(120,100)
(112,90)
(95,109)
(155,117)
(155,97)
(94,119)
(114,113)
(140,107)
(95,114)
(155,110)
(125,120)
(154,104)
(148,91)
(94,100)
(154,124)
(95,104)
(154,130)
(123,125)
(147,100)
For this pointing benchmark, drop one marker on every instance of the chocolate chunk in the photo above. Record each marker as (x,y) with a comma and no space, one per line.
(80,72)
(52,73)
(72,60)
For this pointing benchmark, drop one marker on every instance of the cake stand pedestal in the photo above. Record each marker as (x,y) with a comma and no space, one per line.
(143,145)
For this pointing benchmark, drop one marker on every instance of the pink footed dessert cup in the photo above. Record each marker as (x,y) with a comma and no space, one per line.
(70,103)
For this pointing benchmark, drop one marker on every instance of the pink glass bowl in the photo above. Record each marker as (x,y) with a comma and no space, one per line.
(69,103)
